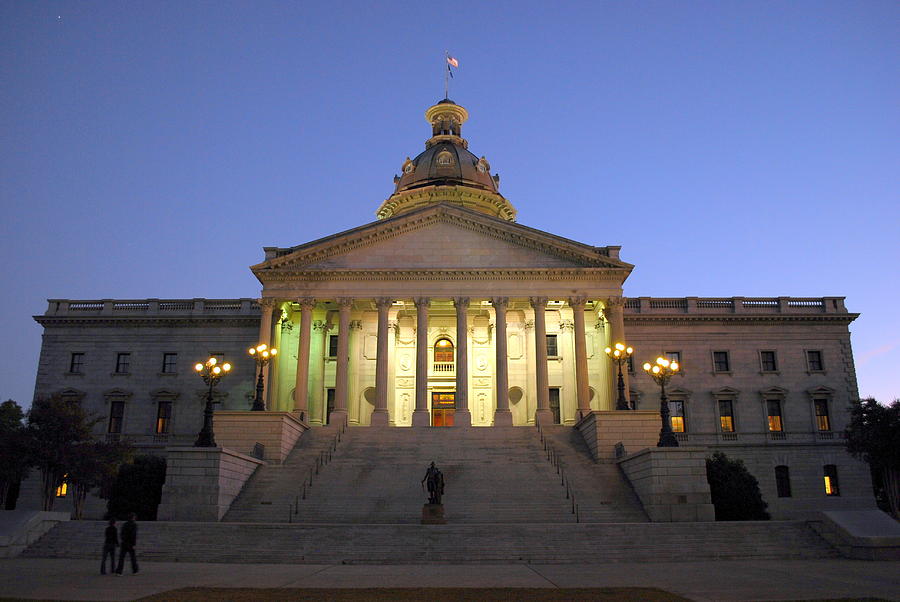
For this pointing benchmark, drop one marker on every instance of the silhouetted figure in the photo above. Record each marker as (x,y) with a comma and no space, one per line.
(434,481)
(110,541)
(129,539)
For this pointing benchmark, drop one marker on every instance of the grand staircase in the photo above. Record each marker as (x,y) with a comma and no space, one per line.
(512,495)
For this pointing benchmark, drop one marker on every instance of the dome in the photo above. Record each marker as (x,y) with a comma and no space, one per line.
(446,171)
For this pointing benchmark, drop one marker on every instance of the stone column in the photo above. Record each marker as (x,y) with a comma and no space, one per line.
(543,414)
(301,390)
(339,414)
(380,415)
(582,388)
(317,373)
(615,314)
(502,415)
(420,416)
(267,306)
(462,416)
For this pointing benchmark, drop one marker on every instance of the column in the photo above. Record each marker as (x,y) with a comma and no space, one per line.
(267,306)
(502,415)
(339,414)
(301,388)
(462,416)
(317,373)
(420,415)
(380,414)
(614,313)
(542,414)
(582,388)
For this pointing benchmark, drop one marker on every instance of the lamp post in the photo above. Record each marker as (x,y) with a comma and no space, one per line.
(661,372)
(262,353)
(619,353)
(211,372)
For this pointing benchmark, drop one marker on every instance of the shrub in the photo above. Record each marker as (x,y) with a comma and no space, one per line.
(138,488)
(735,492)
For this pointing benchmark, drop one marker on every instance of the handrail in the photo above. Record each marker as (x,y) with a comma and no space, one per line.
(325,456)
(554,459)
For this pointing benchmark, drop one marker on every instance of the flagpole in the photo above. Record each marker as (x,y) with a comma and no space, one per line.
(447,74)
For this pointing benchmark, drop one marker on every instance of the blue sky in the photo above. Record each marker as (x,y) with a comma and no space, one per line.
(732,148)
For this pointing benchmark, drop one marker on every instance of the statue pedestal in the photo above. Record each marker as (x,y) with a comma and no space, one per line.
(433,514)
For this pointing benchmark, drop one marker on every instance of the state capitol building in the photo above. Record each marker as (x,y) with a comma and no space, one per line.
(446,312)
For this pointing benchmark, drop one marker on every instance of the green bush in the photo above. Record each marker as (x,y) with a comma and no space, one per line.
(137,488)
(735,492)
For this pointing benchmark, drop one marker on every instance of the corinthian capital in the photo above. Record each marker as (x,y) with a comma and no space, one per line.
(461,302)
(267,302)
(383,303)
(577,302)
(537,302)
(421,302)
(307,303)
(615,303)
(344,303)
(500,301)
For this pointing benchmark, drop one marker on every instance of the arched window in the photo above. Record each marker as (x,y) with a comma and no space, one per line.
(443,351)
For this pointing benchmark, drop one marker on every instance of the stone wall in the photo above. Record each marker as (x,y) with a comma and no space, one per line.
(202,482)
(602,430)
(671,483)
(278,432)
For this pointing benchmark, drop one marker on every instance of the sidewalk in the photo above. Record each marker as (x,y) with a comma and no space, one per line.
(725,580)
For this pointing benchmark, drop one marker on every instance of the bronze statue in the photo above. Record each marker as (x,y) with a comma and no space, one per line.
(434,481)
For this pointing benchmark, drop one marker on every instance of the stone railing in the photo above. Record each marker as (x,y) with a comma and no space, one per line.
(763,438)
(150,307)
(735,305)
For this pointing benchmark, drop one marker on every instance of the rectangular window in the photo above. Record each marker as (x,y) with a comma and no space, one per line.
(163,417)
(823,422)
(332,345)
(116,416)
(554,404)
(552,347)
(721,362)
(831,480)
(170,363)
(814,361)
(783,481)
(726,416)
(673,356)
(123,363)
(676,415)
(773,409)
(630,363)
(76,363)
(220,358)
(768,361)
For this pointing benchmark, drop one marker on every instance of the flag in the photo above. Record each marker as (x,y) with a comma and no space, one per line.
(452,62)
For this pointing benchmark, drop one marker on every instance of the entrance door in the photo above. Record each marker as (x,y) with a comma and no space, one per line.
(442,407)
(329,404)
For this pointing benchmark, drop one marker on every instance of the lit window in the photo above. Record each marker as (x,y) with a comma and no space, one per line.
(773,407)
(726,416)
(76,363)
(116,416)
(163,417)
(814,361)
(831,480)
(721,362)
(332,345)
(443,351)
(768,361)
(823,422)
(783,481)
(63,488)
(673,356)
(123,363)
(676,415)
(552,346)
(170,363)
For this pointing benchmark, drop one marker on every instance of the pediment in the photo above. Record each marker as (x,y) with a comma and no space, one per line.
(440,237)
(726,392)
(820,391)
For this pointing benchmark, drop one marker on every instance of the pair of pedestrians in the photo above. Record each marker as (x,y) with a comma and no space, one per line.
(111,540)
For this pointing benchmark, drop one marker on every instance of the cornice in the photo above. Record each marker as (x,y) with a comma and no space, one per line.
(54,321)
(688,318)
(553,274)
(496,228)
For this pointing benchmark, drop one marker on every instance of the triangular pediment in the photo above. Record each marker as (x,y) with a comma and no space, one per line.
(437,238)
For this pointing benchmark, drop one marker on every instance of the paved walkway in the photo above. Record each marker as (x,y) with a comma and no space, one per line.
(725,580)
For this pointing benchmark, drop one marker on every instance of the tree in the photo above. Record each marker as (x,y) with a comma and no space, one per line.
(138,488)
(93,464)
(735,492)
(873,436)
(55,435)
(13,463)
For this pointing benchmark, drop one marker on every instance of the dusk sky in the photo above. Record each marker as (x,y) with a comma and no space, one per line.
(151,149)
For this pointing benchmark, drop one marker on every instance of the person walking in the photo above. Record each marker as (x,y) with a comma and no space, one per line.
(129,540)
(110,541)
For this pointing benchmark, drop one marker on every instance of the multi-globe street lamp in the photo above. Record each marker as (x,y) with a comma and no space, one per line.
(211,372)
(262,353)
(620,353)
(662,371)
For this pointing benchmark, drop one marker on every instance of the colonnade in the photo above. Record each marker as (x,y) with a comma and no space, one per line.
(421,417)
